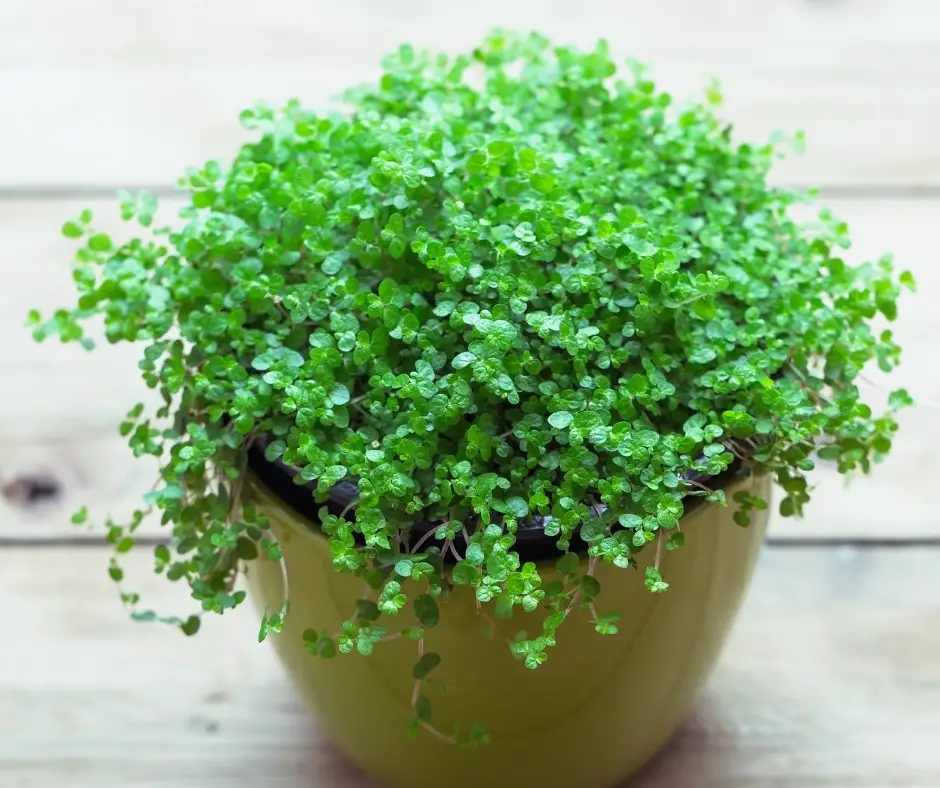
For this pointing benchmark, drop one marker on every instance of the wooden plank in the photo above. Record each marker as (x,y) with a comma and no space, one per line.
(43,484)
(147,89)
(891,504)
(831,677)
(35,260)
(59,406)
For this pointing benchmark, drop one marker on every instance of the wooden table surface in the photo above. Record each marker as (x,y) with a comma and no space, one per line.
(832,674)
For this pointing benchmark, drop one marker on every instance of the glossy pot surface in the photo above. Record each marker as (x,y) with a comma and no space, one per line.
(589,717)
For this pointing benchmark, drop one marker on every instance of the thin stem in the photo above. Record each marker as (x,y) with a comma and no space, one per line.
(415,694)
(698,484)
(489,620)
(921,403)
(284,581)
(688,301)
(573,602)
(659,550)
(592,566)
(449,545)
(435,732)
(422,540)
(811,393)
(796,371)
(236,494)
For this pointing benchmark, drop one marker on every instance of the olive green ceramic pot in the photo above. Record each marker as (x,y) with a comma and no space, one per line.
(589,717)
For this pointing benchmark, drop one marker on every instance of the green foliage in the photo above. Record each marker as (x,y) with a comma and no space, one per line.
(558,294)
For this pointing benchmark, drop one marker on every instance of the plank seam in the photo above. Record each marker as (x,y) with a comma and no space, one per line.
(777,542)
(891,191)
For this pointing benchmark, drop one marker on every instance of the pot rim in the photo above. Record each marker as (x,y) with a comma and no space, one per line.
(532,544)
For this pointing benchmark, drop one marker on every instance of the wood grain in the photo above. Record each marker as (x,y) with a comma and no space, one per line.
(132,92)
(830,678)
(60,406)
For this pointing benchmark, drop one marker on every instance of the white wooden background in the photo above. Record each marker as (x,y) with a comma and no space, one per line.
(102,94)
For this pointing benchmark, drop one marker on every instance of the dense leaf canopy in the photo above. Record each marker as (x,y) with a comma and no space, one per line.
(495,287)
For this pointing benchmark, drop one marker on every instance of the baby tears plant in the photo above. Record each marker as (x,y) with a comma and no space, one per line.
(497,291)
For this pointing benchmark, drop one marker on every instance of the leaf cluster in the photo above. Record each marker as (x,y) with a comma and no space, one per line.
(506,285)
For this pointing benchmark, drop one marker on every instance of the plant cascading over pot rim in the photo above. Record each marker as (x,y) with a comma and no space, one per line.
(501,290)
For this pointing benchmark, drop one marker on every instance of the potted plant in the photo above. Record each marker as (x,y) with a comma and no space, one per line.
(483,383)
